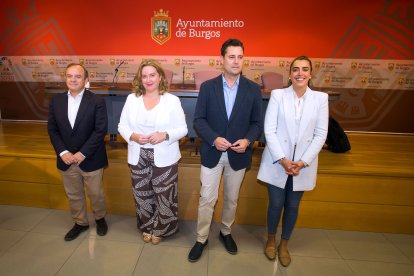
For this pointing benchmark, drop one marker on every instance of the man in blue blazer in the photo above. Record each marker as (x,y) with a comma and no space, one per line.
(228,118)
(77,126)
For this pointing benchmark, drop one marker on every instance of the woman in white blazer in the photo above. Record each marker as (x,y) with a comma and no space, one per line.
(296,125)
(152,122)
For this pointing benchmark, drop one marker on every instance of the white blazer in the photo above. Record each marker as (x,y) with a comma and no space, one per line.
(279,129)
(170,118)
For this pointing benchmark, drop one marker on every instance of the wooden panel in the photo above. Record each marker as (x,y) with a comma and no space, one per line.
(24,193)
(15,168)
(363,189)
(251,211)
(189,179)
(187,206)
(120,201)
(251,187)
(58,199)
(53,174)
(117,175)
(359,217)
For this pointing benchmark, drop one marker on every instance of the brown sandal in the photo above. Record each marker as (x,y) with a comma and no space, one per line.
(146,237)
(155,240)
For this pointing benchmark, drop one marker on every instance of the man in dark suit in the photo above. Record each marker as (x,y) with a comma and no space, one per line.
(77,126)
(228,118)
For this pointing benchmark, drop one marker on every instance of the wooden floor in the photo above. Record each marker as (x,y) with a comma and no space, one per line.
(370,188)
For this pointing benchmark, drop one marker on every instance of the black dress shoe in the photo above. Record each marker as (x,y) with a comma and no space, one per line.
(75,231)
(196,251)
(228,243)
(101,227)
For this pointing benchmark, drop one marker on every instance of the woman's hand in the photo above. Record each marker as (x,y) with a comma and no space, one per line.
(291,168)
(139,138)
(157,137)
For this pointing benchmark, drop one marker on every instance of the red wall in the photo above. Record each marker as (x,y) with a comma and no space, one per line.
(318,28)
(353,29)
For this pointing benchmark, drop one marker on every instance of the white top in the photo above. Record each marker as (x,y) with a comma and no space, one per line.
(167,116)
(299,102)
(146,121)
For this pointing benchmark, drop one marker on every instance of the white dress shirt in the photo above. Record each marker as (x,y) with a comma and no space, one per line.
(73,108)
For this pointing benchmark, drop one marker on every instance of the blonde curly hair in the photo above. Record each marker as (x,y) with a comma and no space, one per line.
(138,87)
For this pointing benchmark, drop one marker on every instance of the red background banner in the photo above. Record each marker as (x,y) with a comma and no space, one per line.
(340,29)
(324,30)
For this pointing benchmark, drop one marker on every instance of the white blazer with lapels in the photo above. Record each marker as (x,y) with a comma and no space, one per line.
(279,129)
(170,118)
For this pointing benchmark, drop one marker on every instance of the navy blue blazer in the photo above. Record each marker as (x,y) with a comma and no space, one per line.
(245,122)
(87,135)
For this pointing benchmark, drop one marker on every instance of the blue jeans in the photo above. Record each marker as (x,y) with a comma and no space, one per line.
(285,199)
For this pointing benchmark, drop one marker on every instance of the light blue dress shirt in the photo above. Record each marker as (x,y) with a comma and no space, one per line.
(230,95)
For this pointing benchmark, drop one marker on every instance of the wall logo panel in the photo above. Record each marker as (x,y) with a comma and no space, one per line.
(161,26)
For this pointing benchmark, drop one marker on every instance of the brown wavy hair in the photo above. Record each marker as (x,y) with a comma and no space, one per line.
(138,87)
(291,65)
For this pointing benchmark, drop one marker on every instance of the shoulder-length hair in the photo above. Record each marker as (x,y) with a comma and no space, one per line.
(138,87)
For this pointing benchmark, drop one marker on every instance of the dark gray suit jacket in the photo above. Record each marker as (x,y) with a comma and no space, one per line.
(87,135)
(210,120)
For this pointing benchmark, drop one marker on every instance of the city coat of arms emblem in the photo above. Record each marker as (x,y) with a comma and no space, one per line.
(161,26)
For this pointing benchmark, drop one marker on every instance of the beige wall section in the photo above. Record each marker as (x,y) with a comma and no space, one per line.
(355,191)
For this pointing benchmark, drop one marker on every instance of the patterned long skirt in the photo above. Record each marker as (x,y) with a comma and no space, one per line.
(156,195)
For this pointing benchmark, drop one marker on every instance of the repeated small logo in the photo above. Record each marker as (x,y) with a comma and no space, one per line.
(24,61)
(187,76)
(161,26)
(354,65)
(317,65)
(177,62)
(281,63)
(62,74)
(92,74)
(5,60)
(52,61)
(81,61)
(391,66)
(211,62)
(112,62)
(246,63)
(363,80)
(327,79)
(401,80)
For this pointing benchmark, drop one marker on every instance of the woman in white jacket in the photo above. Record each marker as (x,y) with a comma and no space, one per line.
(152,122)
(296,125)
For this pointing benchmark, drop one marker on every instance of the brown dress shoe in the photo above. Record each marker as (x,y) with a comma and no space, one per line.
(270,252)
(284,258)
